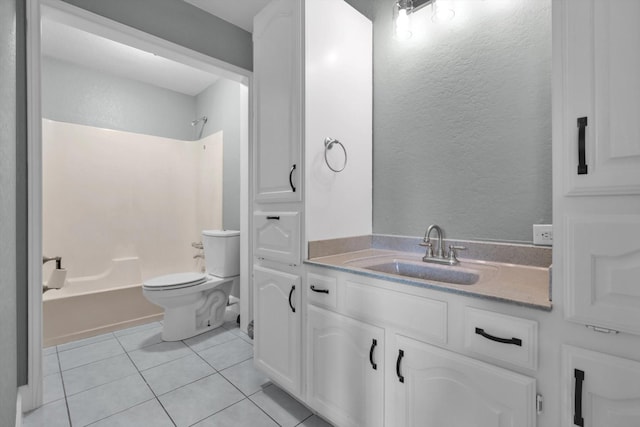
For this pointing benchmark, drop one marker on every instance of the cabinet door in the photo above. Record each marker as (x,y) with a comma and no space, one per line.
(278,326)
(345,369)
(599,390)
(434,387)
(602,84)
(277,68)
(277,236)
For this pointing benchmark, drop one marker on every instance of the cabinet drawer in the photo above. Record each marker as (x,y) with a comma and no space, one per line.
(500,337)
(322,290)
(419,317)
(277,236)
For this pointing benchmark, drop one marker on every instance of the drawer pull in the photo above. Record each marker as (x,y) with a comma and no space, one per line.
(398,362)
(514,341)
(374,343)
(274,217)
(320,291)
(293,288)
(577,398)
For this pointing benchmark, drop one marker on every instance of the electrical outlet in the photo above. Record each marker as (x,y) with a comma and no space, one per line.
(543,234)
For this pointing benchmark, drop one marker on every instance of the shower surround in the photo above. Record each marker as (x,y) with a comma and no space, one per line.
(119,208)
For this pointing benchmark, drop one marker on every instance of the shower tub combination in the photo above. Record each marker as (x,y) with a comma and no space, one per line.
(120,208)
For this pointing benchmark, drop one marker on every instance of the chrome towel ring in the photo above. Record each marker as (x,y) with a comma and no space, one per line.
(328,145)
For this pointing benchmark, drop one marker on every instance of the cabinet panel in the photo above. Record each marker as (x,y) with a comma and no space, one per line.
(603,266)
(602,83)
(345,369)
(503,338)
(444,389)
(322,290)
(277,326)
(277,236)
(600,390)
(422,317)
(278,102)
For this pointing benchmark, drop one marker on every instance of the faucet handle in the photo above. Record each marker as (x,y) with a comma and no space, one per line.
(429,245)
(452,252)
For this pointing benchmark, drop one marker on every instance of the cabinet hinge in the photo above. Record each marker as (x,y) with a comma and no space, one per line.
(602,330)
(539,400)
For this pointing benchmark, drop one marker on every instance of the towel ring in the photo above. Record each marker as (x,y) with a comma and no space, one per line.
(328,144)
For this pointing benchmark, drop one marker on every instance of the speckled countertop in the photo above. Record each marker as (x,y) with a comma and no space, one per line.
(525,283)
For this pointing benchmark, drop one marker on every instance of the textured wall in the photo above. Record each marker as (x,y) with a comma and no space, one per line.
(75,94)
(180,23)
(221,104)
(462,121)
(8,379)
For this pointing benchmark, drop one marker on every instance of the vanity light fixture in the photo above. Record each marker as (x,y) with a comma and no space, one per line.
(403,9)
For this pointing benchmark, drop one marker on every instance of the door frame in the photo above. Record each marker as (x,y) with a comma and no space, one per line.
(31,393)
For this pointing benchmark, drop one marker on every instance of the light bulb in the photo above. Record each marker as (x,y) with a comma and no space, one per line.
(403,25)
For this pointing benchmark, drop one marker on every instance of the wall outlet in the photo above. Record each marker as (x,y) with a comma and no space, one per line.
(543,234)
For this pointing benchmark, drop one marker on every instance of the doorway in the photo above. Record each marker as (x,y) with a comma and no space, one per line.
(83,24)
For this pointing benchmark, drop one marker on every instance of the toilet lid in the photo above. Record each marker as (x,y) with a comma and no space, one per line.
(181,280)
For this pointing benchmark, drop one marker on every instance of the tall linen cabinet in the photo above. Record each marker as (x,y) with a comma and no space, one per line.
(312,82)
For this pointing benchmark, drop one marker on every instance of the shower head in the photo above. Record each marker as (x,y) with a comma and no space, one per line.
(202,119)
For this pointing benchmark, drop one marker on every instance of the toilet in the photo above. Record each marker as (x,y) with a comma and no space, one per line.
(196,302)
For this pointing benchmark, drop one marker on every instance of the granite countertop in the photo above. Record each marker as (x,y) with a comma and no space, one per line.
(520,284)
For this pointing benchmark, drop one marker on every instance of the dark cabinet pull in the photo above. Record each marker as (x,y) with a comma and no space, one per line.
(577,396)
(320,291)
(274,217)
(398,362)
(514,341)
(374,343)
(293,188)
(293,288)
(582,162)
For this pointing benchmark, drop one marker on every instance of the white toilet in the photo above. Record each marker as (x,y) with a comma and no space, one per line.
(195,302)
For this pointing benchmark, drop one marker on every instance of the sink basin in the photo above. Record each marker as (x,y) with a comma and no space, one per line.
(439,273)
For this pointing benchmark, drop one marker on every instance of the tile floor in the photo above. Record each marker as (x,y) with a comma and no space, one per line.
(132,378)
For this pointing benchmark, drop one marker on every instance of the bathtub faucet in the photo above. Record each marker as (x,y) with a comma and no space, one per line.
(57,259)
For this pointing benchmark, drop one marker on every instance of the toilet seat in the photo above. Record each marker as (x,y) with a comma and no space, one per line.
(175,281)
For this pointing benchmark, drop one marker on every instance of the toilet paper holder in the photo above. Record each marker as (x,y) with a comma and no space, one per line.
(58,276)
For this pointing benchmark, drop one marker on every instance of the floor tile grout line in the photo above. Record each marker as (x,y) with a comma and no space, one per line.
(83,345)
(151,389)
(64,390)
(226,407)
(119,412)
(89,363)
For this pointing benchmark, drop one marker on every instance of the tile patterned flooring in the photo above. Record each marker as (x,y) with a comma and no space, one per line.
(132,378)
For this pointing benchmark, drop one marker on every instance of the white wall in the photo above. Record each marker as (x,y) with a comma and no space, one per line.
(338,80)
(110,194)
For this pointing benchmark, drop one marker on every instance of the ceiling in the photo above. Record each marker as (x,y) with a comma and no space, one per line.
(76,42)
(238,12)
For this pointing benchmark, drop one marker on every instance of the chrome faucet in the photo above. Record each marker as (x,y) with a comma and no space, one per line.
(427,242)
(439,258)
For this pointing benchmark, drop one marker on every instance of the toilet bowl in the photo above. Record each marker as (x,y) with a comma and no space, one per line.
(194,303)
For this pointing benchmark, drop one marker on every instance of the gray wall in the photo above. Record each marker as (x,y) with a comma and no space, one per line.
(75,94)
(180,23)
(221,104)
(462,126)
(8,134)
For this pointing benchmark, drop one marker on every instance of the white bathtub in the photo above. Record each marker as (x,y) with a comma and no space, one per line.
(94,305)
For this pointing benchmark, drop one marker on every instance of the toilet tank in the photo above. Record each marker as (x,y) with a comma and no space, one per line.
(222,252)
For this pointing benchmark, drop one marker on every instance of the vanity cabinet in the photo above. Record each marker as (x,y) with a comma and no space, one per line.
(375,357)
(346,366)
(599,390)
(277,314)
(597,161)
(433,386)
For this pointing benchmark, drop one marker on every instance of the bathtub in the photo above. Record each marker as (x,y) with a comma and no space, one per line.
(93,305)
